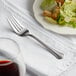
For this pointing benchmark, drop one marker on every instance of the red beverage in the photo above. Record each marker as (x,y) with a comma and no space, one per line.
(8,68)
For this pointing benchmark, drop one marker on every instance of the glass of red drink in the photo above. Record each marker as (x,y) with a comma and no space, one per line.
(11,61)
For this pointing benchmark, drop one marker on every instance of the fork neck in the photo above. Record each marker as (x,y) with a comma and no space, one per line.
(27,31)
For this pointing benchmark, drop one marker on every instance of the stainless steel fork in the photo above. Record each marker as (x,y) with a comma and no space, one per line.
(22,31)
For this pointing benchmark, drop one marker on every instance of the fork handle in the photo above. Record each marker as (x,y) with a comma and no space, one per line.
(57,54)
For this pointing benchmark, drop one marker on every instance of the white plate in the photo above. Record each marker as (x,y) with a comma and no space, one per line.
(54,28)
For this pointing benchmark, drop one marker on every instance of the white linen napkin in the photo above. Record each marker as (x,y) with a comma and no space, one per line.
(55,41)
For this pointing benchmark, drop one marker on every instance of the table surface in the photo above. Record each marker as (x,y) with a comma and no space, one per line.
(26,4)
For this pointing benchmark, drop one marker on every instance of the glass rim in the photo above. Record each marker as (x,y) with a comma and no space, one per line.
(4,51)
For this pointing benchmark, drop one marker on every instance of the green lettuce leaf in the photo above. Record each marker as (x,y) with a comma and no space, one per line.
(60,20)
(72,24)
(48,4)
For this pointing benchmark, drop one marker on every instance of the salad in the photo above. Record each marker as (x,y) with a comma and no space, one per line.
(62,12)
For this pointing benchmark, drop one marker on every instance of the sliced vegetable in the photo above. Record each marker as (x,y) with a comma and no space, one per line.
(69,9)
(50,20)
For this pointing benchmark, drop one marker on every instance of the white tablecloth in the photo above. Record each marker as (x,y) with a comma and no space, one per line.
(32,52)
